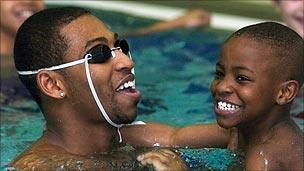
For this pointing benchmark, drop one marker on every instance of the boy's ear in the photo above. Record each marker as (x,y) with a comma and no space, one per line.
(287,92)
(51,84)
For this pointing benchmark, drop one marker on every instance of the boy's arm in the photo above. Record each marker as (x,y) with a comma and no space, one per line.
(153,134)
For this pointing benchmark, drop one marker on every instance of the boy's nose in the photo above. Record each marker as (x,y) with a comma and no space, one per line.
(223,87)
(123,61)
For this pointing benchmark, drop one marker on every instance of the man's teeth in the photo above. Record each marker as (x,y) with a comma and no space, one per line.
(129,84)
(226,106)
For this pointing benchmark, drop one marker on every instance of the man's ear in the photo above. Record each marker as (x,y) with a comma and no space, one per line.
(287,92)
(51,84)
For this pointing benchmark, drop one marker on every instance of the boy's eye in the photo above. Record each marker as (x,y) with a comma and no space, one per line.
(241,78)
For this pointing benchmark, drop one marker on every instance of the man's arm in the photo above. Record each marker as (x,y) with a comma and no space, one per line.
(194,136)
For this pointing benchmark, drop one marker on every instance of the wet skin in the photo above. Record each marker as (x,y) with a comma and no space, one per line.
(43,156)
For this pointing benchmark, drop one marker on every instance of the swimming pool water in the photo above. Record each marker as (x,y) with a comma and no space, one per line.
(173,71)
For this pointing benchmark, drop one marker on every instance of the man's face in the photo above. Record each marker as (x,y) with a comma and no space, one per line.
(82,34)
(14,13)
(243,89)
(292,12)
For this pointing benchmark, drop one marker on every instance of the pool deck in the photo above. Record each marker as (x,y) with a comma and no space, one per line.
(156,10)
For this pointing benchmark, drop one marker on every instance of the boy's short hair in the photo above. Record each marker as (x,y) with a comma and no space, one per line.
(287,47)
(39,43)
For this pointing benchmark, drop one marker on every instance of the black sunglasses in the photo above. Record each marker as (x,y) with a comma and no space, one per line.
(98,54)
(101,53)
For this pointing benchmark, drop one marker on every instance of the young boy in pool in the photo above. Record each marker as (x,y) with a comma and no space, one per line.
(258,74)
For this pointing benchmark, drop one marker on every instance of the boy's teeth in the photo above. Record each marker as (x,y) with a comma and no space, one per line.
(226,106)
(129,84)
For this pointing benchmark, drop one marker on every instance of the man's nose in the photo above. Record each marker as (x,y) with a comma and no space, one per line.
(123,61)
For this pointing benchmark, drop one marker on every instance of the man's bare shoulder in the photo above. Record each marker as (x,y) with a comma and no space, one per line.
(42,156)
(50,157)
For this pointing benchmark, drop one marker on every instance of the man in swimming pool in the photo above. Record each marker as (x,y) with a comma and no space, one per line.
(80,74)
(68,59)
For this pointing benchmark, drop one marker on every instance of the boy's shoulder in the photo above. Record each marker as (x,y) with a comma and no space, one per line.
(283,149)
(275,156)
(258,158)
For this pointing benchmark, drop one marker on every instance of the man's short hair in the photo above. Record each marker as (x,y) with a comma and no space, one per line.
(286,45)
(39,43)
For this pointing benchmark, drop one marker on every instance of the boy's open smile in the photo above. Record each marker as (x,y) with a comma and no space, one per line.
(226,108)
(240,89)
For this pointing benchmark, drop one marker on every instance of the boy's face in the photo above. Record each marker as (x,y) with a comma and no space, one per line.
(243,89)
(292,12)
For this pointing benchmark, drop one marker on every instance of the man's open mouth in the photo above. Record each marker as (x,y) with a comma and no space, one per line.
(127,87)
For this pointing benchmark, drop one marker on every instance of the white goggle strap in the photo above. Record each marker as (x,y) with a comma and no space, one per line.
(69,64)
(93,91)
(133,69)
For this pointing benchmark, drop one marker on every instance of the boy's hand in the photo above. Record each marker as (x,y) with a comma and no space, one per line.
(162,159)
